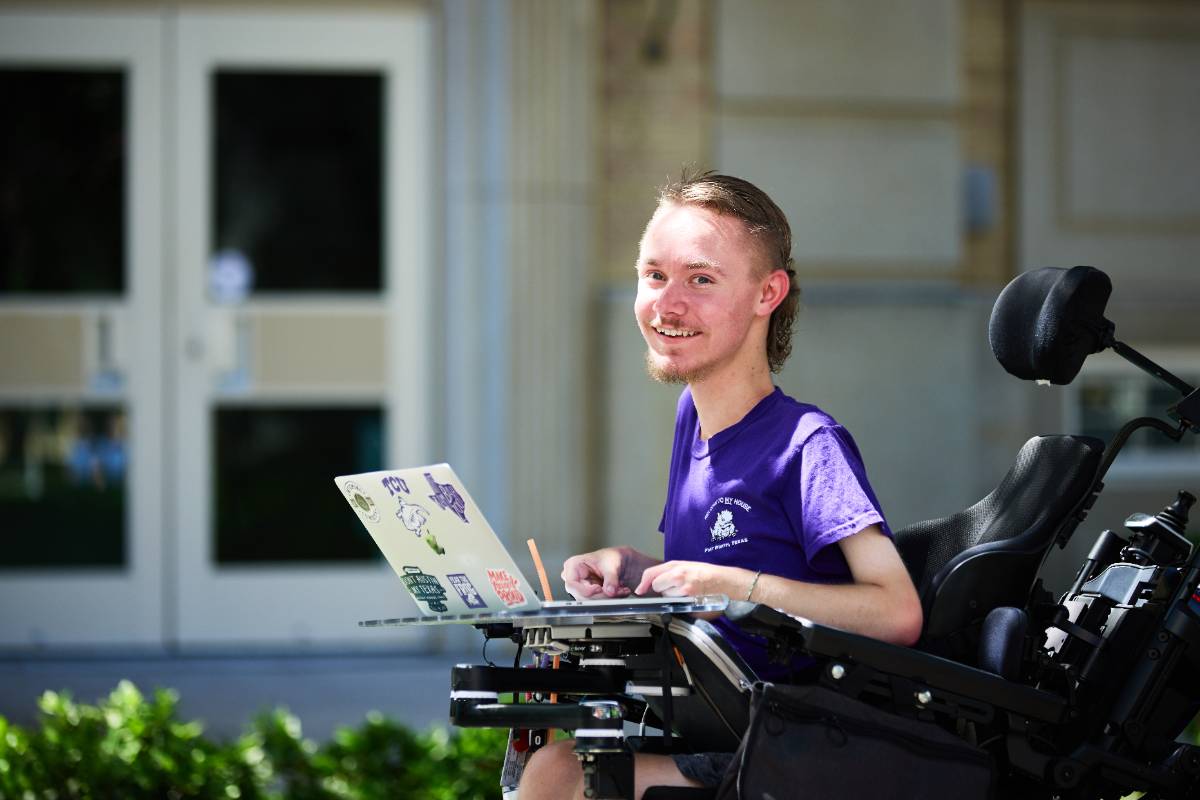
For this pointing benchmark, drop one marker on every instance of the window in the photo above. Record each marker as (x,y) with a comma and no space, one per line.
(1110,391)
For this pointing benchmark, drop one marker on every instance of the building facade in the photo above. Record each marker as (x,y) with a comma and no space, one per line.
(247,248)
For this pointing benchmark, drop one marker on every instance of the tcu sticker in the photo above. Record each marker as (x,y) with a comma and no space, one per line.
(506,587)
(362,502)
(466,590)
(395,484)
(424,588)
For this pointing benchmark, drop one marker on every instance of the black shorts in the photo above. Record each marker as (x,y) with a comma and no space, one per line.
(706,769)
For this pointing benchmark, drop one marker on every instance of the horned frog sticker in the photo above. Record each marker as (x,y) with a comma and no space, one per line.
(412,516)
(415,518)
(362,502)
(425,588)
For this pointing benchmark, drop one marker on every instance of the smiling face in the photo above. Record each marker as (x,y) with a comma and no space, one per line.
(703,300)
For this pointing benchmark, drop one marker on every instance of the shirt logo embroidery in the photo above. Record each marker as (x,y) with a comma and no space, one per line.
(723,528)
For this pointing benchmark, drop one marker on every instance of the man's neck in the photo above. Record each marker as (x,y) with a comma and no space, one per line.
(723,400)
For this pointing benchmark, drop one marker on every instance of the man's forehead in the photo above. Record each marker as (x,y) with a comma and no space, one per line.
(693,224)
(698,236)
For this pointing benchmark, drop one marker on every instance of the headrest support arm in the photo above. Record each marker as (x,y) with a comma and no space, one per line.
(1146,365)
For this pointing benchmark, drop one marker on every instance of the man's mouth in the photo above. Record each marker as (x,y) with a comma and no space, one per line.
(675,333)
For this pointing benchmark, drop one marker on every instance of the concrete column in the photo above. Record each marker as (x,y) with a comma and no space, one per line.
(519,181)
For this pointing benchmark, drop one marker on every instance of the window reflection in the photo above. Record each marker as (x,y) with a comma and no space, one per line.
(1106,403)
(275,496)
(62,181)
(298,159)
(62,487)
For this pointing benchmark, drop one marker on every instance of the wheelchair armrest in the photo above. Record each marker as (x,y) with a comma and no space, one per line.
(934,672)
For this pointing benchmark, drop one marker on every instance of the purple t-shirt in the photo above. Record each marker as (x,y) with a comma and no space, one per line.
(775,492)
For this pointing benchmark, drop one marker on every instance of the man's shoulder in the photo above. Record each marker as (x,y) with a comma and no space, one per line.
(804,419)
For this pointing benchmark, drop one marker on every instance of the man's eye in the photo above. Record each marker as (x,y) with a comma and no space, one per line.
(655,275)
(703,280)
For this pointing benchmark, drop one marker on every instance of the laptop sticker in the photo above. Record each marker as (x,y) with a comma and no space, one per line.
(466,590)
(362,502)
(425,588)
(395,484)
(412,516)
(506,587)
(446,496)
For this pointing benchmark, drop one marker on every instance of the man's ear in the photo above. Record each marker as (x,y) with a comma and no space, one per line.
(774,289)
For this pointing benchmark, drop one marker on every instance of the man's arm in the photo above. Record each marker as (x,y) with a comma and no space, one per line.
(881,602)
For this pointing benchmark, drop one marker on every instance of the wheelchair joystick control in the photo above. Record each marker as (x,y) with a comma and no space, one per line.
(1160,539)
(1176,514)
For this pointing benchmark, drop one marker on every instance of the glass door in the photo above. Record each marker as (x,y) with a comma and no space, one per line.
(81,330)
(303,288)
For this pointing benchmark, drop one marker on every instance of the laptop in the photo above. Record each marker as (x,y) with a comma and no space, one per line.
(448,557)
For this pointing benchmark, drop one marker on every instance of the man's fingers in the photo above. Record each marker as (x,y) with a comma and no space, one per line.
(648,577)
(612,582)
(579,571)
(584,591)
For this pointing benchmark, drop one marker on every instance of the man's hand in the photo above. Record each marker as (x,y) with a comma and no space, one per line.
(605,573)
(693,578)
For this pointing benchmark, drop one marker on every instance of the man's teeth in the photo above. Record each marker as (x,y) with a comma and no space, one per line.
(676,332)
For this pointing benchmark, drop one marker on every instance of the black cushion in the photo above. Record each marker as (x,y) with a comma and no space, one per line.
(1002,641)
(1047,321)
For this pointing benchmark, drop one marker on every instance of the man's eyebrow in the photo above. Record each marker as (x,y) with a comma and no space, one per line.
(693,266)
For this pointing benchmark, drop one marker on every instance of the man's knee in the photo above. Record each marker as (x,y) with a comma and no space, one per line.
(552,772)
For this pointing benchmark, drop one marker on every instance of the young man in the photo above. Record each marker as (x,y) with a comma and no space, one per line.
(767,498)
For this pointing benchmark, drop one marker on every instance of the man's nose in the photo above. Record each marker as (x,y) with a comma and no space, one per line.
(671,301)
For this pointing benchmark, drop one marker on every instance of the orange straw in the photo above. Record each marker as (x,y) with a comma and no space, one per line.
(541,571)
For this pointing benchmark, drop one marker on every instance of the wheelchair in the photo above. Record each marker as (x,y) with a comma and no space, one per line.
(1083,696)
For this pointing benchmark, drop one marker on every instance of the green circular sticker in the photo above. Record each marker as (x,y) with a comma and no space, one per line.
(362,502)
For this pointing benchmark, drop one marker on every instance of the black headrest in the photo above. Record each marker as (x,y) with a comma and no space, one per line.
(1047,321)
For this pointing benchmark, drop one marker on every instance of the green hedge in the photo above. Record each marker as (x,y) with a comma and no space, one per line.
(128,746)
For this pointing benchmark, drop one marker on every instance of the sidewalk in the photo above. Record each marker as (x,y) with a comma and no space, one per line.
(324,691)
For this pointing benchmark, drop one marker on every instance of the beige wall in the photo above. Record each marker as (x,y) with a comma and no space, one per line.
(861,120)
(855,118)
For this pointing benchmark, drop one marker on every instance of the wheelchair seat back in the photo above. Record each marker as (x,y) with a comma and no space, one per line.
(987,556)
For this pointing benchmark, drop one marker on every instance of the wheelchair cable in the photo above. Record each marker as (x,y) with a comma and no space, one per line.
(483,655)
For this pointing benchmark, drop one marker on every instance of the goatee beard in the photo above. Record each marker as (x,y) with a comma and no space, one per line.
(667,375)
